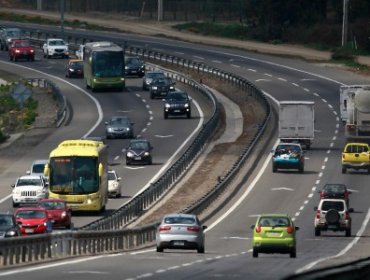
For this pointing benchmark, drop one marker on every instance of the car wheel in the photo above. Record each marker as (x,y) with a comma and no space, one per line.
(15,58)
(344,170)
(159,249)
(166,115)
(128,162)
(274,168)
(200,250)
(368,170)
(188,115)
(151,96)
(293,254)
(150,162)
(348,232)
(255,253)
(301,169)
(317,232)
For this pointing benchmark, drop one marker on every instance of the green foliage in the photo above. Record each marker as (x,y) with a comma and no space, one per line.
(7,103)
(31,104)
(342,54)
(2,136)
(29,117)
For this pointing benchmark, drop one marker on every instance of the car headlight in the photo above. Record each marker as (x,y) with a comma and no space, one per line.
(9,40)
(130,154)
(172,88)
(154,88)
(115,185)
(142,66)
(167,105)
(126,67)
(110,129)
(17,192)
(64,214)
(17,51)
(71,69)
(11,233)
(45,224)
(127,129)
(146,154)
(32,51)
(186,105)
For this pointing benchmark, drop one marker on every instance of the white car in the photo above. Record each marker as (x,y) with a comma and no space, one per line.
(29,189)
(37,168)
(114,185)
(55,48)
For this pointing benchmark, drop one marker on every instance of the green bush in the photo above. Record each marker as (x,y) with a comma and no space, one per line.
(342,54)
(7,103)
(29,117)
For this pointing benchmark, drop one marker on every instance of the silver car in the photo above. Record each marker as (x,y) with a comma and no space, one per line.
(119,127)
(114,185)
(180,231)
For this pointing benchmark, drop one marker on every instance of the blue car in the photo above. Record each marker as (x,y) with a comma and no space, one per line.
(288,156)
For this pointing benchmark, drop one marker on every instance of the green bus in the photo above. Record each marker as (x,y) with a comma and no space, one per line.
(104,66)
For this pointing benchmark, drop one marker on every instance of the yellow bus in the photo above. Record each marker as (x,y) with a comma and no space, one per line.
(77,172)
(104,66)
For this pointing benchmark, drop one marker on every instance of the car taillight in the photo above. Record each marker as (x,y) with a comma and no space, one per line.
(347,215)
(290,230)
(322,194)
(193,229)
(318,214)
(343,156)
(164,228)
(258,229)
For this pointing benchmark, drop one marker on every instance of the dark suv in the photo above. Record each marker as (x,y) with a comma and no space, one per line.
(161,86)
(177,103)
(8,226)
(134,66)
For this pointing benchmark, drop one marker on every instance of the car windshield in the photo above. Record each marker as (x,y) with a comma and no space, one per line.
(133,60)
(274,222)
(52,205)
(57,43)
(124,121)
(6,221)
(154,75)
(336,205)
(334,188)
(177,96)
(38,168)
(287,149)
(31,214)
(111,176)
(29,182)
(162,81)
(22,44)
(76,65)
(179,220)
(139,145)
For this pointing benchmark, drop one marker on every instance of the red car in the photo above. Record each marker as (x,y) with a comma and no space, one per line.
(57,211)
(32,220)
(21,48)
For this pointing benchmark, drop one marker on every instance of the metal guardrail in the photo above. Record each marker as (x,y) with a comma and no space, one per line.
(53,89)
(106,235)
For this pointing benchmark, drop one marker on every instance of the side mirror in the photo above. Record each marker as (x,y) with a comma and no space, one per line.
(296,228)
(315,208)
(106,123)
(252,227)
(204,227)
(13,186)
(28,172)
(350,210)
(119,179)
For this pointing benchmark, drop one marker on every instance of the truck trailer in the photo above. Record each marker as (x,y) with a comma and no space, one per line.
(296,122)
(355,111)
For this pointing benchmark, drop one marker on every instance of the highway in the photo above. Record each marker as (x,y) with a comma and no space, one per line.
(228,249)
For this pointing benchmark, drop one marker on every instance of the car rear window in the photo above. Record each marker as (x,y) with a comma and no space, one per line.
(336,205)
(357,149)
(274,222)
(179,220)
(335,188)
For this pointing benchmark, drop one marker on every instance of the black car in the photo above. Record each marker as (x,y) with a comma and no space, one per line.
(177,103)
(74,69)
(8,226)
(339,191)
(139,151)
(119,127)
(161,86)
(134,66)
(150,76)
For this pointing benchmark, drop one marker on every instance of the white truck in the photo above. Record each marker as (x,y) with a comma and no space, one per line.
(355,110)
(296,122)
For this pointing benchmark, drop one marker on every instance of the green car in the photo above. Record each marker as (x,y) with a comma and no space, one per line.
(274,233)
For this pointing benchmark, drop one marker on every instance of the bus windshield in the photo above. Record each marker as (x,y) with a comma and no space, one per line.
(74,175)
(107,64)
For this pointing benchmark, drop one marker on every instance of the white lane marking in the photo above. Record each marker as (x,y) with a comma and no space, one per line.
(334,138)
(323,167)
(144,101)
(236,237)
(268,75)
(252,70)
(306,89)
(301,208)
(124,111)
(179,53)
(310,195)
(234,65)
(330,106)
(294,84)
(149,123)
(297,214)
(135,168)
(163,136)
(282,79)
(317,182)
(262,80)
(86,272)
(116,157)
(306,201)
(324,100)
(5,198)
(315,94)
(314,188)
(282,189)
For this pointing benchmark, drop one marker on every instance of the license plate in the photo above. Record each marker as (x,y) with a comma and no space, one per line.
(332,226)
(29,230)
(133,71)
(177,111)
(178,243)
(273,234)
(24,52)
(137,158)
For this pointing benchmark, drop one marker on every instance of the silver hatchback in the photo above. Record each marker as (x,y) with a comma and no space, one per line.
(180,231)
